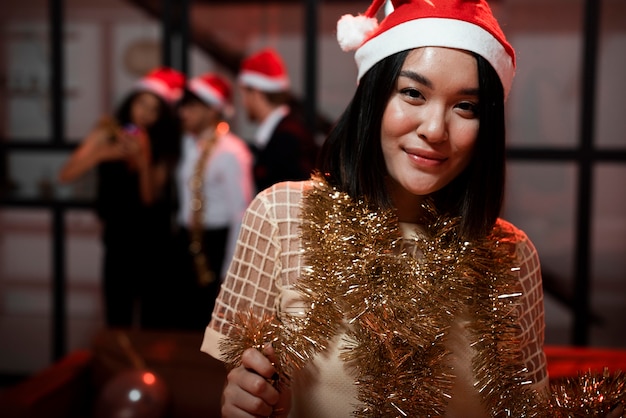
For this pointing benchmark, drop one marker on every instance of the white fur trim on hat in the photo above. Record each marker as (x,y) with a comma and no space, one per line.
(450,33)
(160,88)
(353,30)
(264,83)
(211,97)
(208,94)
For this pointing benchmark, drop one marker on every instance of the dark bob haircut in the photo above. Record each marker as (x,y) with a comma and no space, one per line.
(352,159)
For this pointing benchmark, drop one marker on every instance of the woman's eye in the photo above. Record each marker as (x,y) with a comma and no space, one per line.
(469,107)
(412,93)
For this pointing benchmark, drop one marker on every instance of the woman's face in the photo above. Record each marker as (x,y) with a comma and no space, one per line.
(145,110)
(430,124)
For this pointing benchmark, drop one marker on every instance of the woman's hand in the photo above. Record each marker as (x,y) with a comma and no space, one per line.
(249,391)
(134,146)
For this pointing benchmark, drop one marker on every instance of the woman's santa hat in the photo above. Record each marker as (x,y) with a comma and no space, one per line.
(165,82)
(213,90)
(264,71)
(461,24)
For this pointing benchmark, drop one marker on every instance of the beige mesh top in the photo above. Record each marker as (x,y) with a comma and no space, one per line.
(268,261)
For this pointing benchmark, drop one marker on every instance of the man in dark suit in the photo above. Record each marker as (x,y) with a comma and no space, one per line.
(283,147)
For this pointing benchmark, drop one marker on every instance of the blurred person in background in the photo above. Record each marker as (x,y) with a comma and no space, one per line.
(214,185)
(134,152)
(283,147)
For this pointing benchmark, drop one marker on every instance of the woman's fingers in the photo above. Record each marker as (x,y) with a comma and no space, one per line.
(258,362)
(245,395)
(283,406)
(248,391)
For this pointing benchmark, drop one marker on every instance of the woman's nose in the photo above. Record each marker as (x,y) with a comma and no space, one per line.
(432,125)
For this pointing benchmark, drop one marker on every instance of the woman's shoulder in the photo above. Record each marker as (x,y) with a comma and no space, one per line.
(282,199)
(286,191)
(515,236)
(515,233)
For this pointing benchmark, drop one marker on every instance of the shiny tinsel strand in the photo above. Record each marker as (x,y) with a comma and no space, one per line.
(590,394)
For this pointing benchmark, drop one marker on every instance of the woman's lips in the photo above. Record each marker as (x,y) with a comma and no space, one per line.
(425,157)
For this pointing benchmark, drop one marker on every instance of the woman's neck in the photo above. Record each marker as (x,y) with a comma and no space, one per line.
(409,211)
(408,206)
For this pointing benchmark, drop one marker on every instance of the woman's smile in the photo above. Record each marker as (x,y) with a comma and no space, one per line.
(425,158)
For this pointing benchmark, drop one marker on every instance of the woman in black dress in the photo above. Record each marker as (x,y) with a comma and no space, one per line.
(134,153)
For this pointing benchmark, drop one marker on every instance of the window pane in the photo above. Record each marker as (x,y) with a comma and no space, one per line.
(33,174)
(610,120)
(543,107)
(25,61)
(541,200)
(608,285)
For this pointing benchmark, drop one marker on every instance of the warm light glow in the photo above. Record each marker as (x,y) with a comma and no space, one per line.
(148,378)
(222,128)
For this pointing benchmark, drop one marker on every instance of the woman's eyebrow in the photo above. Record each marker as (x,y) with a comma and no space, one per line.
(419,78)
(416,77)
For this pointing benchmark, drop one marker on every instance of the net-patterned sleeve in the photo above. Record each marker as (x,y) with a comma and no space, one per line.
(266,261)
(532,321)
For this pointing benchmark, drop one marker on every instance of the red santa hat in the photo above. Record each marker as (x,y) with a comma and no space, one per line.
(461,24)
(265,71)
(213,90)
(165,82)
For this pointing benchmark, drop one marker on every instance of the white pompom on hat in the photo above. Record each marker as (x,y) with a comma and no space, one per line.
(461,24)
(214,90)
(165,82)
(264,71)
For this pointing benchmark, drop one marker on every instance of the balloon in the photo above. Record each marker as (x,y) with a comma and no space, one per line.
(133,394)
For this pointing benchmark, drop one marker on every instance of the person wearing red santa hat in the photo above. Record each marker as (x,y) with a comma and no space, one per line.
(387,285)
(283,147)
(134,152)
(215,185)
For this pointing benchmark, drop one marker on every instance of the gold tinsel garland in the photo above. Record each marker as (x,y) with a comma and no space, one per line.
(587,395)
(364,279)
(205,274)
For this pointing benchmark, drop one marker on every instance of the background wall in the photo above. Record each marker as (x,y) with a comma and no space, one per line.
(109,44)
